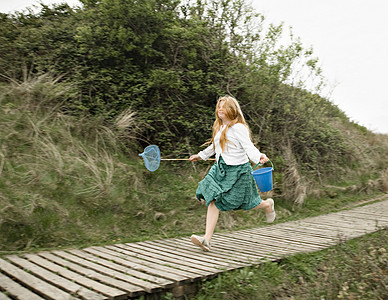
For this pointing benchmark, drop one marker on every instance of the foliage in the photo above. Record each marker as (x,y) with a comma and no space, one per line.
(37,43)
(167,61)
(70,181)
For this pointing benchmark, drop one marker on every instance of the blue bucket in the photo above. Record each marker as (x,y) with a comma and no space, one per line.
(263,178)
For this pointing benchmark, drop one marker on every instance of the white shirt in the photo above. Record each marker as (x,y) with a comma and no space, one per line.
(239,148)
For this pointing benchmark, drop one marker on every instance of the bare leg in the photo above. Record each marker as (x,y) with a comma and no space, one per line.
(211,220)
(264,204)
(268,206)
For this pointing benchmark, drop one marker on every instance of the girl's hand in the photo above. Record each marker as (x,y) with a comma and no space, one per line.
(263,159)
(194,157)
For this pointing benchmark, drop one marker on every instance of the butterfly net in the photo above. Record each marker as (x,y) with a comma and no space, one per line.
(151,157)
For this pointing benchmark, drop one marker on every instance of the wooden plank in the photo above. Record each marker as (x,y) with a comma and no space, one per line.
(164,283)
(230,253)
(54,279)
(4,296)
(188,249)
(307,233)
(15,290)
(34,283)
(377,206)
(377,209)
(290,237)
(183,255)
(367,211)
(116,289)
(311,231)
(43,259)
(343,233)
(176,261)
(134,266)
(168,272)
(256,251)
(279,243)
(344,225)
(137,285)
(279,250)
(172,246)
(163,265)
(177,256)
(365,215)
(334,232)
(360,224)
(334,224)
(166,269)
(362,218)
(236,243)
(225,253)
(374,216)
(293,238)
(299,236)
(329,239)
(381,217)
(351,221)
(380,204)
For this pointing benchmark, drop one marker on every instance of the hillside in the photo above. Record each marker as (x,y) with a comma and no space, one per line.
(67,180)
(84,91)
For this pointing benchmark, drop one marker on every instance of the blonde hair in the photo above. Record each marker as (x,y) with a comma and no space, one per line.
(233,112)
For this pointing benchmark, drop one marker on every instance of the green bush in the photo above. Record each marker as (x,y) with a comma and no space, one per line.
(163,64)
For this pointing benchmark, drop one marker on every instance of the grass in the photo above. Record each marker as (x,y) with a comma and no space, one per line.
(356,269)
(69,181)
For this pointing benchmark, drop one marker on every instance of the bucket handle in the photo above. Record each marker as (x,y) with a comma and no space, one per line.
(262,164)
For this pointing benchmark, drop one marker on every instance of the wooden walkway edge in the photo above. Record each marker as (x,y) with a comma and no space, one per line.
(151,268)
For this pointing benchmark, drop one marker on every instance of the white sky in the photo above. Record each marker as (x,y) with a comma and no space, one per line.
(350,38)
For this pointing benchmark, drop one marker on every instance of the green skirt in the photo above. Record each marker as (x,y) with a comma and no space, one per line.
(232,187)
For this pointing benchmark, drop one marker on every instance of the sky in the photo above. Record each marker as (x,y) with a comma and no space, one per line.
(350,38)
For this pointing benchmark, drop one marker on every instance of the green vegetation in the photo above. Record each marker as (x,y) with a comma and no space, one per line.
(356,269)
(71,181)
(83,90)
(168,61)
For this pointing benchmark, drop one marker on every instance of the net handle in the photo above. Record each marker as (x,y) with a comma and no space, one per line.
(181,159)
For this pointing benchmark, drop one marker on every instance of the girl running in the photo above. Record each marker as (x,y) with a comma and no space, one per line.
(229,184)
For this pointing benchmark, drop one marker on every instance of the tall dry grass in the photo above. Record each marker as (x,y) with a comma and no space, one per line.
(371,148)
(368,174)
(372,158)
(48,157)
(295,186)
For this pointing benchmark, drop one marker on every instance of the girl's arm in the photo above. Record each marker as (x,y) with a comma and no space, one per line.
(204,154)
(194,157)
(243,137)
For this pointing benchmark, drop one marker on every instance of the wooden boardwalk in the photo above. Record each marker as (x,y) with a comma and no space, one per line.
(151,268)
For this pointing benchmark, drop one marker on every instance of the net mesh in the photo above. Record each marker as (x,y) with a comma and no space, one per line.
(151,157)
